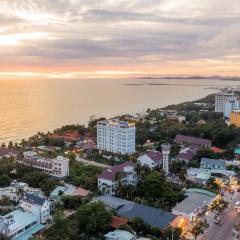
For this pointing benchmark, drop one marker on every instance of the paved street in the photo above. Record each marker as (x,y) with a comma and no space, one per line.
(224,230)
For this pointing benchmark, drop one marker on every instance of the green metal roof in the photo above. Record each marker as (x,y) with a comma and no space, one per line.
(55,192)
(237,151)
(202,191)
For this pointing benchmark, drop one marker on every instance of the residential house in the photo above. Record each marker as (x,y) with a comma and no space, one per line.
(20,225)
(118,221)
(68,190)
(69,136)
(37,205)
(217,150)
(202,175)
(5,152)
(182,139)
(213,163)
(153,216)
(186,154)
(14,191)
(151,159)
(107,182)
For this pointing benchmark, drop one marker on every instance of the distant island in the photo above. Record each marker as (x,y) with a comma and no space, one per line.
(214,77)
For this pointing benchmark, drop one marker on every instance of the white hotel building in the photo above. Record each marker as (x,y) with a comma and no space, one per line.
(221,98)
(116,136)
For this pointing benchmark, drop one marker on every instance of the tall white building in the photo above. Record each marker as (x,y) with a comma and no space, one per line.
(165,153)
(116,136)
(229,105)
(221,98)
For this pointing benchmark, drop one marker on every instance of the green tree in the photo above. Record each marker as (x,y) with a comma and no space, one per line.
(71,202)
(4,237)
(172,233)
(93,218)
(126,227)
(5,181)
(199,227)
(60,230)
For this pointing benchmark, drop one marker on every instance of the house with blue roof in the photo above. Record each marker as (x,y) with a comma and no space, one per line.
(209,163)
(20,225)
(153,216)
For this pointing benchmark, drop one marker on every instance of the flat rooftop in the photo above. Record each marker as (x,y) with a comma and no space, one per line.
(194,200)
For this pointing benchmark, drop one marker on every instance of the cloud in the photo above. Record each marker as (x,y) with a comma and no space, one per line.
(118,33)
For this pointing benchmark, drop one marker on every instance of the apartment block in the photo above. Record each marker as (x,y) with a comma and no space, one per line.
(116,136)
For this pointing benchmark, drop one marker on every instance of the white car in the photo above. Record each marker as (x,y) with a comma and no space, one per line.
(237,204)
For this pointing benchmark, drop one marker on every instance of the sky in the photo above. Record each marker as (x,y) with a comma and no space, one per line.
(100,38)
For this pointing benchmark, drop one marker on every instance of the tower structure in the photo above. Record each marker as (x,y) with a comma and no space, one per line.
(166,152)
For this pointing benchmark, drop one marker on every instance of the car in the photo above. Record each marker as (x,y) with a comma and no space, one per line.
(237,204)
(218,220)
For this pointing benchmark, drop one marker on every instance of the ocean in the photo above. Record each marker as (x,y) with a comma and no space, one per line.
(28,106)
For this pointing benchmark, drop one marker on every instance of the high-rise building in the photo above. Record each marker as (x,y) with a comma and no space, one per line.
(235,118)
(221,98)
(116,136)
(229,105)
(165,153)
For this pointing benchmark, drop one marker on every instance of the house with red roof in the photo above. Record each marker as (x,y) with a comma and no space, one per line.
(186,154)
(109,179)
(151,159)
(6,152)
(118,221)
(217,150)
(183,139)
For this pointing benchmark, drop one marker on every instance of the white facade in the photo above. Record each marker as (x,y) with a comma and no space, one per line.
(221,98)
(165,152)
(145,160)
(14,191)
(106,186)
(230,105)
(107,183)
(18,223)
(57,167)
(37,206)
(116,136)
(151,159)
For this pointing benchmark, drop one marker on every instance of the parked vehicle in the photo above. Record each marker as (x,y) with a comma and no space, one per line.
(218,220)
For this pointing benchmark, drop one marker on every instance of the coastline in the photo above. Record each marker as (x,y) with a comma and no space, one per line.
(138,113)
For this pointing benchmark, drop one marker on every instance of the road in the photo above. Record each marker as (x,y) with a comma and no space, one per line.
(87,162)
(224,230)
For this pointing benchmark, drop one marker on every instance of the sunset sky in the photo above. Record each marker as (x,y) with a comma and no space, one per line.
(74,38)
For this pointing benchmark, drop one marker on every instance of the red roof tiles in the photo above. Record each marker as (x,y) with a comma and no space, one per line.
(118,221)
(110,173)
(156,156)
(193,140)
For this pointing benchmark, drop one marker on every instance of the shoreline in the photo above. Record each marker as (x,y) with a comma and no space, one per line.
(137,113)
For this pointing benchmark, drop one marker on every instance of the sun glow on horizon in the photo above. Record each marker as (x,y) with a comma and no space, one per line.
(111,38)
